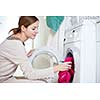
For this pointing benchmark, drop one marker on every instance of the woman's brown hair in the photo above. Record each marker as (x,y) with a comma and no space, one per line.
(26,21)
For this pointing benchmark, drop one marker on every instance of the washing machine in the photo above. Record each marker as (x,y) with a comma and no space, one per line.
(81,39)
(45,57)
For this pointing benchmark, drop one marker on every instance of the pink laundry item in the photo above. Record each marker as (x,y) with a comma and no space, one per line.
(67,76)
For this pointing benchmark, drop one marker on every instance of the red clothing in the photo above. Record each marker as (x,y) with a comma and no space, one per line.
(67,76)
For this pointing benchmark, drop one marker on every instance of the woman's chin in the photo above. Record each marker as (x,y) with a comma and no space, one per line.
(32,37)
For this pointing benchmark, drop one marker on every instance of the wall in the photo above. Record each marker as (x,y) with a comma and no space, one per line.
(42,37)
(7,23)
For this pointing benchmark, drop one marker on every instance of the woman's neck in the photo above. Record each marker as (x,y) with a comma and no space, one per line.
(21,36)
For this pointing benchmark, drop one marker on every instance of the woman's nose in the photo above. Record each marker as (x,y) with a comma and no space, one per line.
(36,31)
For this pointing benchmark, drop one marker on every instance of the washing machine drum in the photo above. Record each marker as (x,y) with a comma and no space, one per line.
(44,58)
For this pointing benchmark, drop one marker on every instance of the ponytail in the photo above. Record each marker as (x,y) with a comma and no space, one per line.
(15,30)
(26,21)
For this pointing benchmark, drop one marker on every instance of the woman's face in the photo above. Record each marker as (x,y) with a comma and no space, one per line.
(32,30)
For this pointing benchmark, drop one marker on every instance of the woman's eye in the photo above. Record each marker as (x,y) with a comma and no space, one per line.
(33,29)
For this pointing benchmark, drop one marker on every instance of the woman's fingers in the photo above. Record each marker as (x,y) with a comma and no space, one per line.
(67,65)
(69,62)
(63,67)
(30,53)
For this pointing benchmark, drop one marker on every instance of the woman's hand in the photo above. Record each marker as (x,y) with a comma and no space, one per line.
(62,67)
(30,53)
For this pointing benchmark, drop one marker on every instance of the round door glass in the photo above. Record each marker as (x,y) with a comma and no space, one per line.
(43,60)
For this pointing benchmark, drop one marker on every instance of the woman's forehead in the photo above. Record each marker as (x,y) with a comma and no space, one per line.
(36,24)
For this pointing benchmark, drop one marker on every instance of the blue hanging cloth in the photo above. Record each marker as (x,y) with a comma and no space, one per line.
(54,22)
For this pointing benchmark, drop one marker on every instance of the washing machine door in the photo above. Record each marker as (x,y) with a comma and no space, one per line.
(43,58)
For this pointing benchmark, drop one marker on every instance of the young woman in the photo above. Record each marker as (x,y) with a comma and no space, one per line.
(13,54)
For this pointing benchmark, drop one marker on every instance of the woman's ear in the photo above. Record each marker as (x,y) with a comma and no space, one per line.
(23,28)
